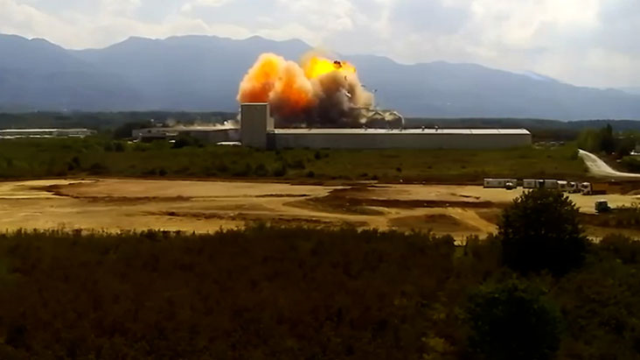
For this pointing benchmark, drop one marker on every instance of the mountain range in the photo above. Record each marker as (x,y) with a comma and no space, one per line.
(202,73)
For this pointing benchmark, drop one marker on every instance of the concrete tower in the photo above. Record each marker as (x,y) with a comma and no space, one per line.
(255,123)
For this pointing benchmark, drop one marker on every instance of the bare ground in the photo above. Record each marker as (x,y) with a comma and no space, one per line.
(200,206)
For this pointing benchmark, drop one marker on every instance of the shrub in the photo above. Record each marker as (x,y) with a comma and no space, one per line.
(621,248)
(186,141)
(119,146)
(280,171)
(513,321)
(98,169)
(541,231)
(298,164)
(245,171)
(261,170)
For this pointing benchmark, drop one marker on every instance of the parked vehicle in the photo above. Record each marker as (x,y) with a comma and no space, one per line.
(551,184)
(574,187)
(563,186)
(500,183)
(602,206)
(593,188)
(530,184)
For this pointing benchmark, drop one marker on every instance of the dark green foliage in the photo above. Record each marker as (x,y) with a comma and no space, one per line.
(261,293)
(606,141)
(513,321)
(305,293)
(190,158)
(541,230)
(261,170)
(185,141)
(601,303)
(280,170)
(631,164)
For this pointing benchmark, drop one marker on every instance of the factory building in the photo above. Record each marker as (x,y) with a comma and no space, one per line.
(257,130)
(44,133)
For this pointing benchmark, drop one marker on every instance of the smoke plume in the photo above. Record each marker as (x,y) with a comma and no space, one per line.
(317,92)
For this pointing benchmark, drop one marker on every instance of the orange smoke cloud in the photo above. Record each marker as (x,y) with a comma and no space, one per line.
(317,91)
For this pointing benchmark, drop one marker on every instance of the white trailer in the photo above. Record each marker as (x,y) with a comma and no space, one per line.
(495,183)
(500,183)
(532,183)
(551,184)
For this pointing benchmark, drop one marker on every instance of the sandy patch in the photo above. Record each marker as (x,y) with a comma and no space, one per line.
(206,206)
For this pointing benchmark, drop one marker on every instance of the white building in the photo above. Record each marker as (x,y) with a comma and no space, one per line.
(44,133)
(257,130)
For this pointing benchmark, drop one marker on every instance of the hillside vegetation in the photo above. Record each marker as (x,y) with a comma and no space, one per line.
(37,158)
(267,293)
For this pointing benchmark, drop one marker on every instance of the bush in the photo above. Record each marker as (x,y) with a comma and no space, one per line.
(280,171)
(513,321)
(98,169)
(621,248)
(261,170)
(541,231)
(244,172)
(186,141)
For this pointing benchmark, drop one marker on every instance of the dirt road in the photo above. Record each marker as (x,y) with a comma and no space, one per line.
(599,168)
(206,206)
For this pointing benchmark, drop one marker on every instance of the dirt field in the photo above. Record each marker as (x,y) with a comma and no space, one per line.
(114,205)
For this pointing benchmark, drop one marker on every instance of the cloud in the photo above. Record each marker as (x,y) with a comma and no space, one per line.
(587,42)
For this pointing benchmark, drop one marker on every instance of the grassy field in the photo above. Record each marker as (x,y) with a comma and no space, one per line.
(34,158)
(274,293)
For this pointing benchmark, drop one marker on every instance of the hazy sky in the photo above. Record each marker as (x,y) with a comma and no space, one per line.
(585,42)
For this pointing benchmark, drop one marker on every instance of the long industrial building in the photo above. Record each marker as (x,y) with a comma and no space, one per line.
(258,131)
(44,133)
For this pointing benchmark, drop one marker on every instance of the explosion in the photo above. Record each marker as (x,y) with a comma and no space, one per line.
(316,92)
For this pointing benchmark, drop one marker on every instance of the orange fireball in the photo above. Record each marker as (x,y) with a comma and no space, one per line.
(316,66)
(306,92)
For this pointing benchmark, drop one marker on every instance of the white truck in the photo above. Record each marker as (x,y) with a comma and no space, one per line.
(593,188)
(564,186)
(560,185)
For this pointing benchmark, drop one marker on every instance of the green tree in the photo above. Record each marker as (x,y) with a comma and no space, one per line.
(513,321)
(607,140)
(540,231)
(589,140)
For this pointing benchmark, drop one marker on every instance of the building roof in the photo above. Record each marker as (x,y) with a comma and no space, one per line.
(405,131)
(40,130)
(186,129)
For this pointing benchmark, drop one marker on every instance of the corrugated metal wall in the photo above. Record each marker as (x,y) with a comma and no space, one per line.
(400,141)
